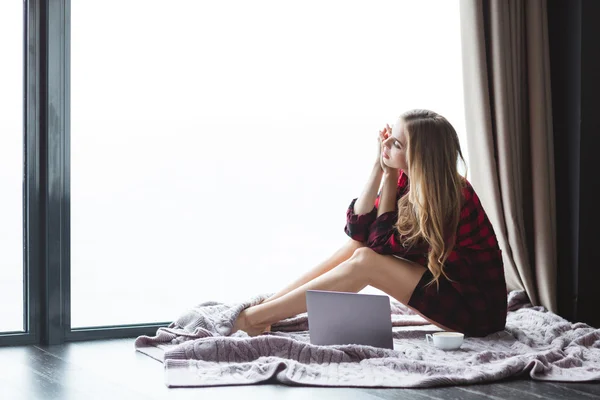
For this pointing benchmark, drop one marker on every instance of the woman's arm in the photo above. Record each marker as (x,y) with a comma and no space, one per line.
(361,213)
(388,198)
(366,201)
(383,237)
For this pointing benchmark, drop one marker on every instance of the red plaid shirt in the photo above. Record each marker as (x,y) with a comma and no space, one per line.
(475,263)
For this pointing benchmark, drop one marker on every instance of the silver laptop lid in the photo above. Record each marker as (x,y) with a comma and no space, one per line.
(349,318)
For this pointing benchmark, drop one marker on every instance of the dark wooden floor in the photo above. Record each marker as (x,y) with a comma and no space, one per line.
(111,369)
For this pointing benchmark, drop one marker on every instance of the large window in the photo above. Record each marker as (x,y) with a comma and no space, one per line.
(215,145)
(11,166)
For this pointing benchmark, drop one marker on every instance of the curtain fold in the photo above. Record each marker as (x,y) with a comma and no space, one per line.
(506,77)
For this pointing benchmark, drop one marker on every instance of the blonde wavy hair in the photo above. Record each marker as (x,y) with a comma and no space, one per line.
(430,212)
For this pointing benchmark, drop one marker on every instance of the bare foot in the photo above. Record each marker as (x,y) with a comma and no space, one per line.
(243,324)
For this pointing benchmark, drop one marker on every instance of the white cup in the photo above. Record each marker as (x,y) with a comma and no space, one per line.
(446,340)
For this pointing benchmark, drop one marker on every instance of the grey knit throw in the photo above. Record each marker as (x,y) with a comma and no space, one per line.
(197,351)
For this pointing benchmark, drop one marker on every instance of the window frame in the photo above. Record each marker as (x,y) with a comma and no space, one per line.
(46,185)
(31,178)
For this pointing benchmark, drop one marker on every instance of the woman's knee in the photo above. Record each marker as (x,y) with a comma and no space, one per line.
(362,259)
(360,263)
(362,253)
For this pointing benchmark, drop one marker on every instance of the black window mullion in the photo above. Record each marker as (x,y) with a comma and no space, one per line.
(55,121)
(32,249)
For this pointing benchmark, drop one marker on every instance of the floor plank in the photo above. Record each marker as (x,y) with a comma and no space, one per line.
(582,388)
(40,375)
(12,390)
(549,390)
(22,376)
(466,392)
(407,393)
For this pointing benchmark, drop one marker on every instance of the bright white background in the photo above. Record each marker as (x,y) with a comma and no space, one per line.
(11,165)
(215,146)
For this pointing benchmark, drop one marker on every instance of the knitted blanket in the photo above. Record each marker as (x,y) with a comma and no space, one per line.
(197,351)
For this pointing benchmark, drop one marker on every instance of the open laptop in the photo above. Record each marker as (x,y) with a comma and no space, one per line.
(336,318)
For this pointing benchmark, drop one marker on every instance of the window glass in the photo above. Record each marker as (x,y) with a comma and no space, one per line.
(216,145)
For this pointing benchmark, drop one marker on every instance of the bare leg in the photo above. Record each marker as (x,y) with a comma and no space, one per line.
(396,277)
(340,255)
(257,319)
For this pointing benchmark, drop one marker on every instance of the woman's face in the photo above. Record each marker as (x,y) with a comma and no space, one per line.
(394,147)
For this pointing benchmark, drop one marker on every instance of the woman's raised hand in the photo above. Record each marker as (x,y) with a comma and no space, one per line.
(384,134)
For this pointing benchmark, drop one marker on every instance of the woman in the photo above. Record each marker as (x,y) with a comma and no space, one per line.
(425,239)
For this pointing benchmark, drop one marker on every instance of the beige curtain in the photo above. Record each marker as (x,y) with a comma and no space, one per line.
(506,71)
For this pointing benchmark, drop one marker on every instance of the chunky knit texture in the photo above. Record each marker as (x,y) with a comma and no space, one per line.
(197,350)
